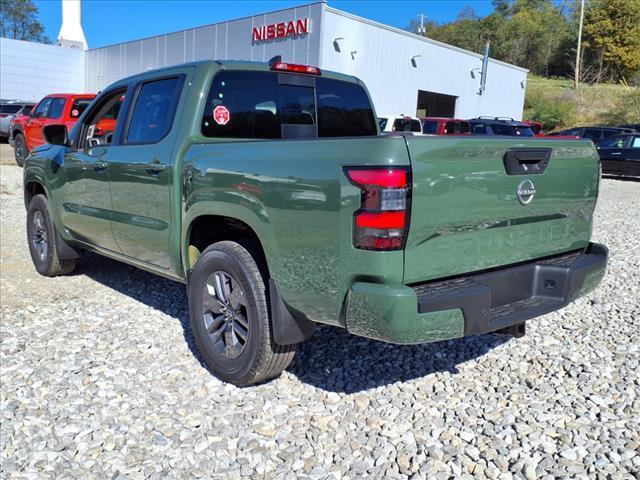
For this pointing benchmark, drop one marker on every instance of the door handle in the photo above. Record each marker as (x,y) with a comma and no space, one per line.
(100,166)
(155,167)
(616,153)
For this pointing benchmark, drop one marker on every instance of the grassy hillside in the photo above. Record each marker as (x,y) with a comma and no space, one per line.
(556,104)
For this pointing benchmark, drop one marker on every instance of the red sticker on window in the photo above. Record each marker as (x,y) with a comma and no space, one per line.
(221,115)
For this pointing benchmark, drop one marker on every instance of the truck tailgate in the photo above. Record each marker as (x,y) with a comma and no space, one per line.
(466,215)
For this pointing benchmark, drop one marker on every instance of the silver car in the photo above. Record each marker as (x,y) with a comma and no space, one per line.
(8,111)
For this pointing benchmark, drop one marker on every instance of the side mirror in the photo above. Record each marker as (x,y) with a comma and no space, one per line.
(56,135)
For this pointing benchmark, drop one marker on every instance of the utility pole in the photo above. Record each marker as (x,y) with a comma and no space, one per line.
(577,78)
(421,30)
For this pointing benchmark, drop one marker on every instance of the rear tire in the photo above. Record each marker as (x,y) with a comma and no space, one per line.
(230,317)
(20,149)
(41,234)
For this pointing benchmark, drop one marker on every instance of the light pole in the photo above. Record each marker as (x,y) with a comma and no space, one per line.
(577,78)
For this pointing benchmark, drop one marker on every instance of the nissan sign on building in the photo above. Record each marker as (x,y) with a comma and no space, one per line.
(281,30)
(405,73)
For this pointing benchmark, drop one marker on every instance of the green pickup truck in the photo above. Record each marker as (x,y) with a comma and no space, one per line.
(269,190)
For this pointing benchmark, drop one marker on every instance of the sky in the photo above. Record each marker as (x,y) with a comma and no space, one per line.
(106,22)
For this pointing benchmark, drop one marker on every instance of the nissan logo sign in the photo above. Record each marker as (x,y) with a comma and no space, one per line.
(525,192)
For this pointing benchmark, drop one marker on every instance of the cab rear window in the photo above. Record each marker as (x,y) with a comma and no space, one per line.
(255,105)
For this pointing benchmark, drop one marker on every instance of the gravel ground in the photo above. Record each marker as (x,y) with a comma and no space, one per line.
(99,379)
(6,154)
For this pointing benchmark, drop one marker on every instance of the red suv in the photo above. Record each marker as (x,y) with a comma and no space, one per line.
(57,108)
(444,126)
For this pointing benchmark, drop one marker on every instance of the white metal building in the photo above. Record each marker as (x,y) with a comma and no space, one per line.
(29,71)
(405,73)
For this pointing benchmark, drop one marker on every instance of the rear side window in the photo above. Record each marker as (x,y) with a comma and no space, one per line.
(26,110)
(57,107)
(479,128)
(79,106)
(591,133)
(456,127)
(383,122)
(154,109)
(242,105)
(524,131)
(502,129)
(254,105)
(429,126)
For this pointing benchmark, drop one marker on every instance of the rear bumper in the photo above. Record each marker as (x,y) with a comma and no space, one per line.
(473,304)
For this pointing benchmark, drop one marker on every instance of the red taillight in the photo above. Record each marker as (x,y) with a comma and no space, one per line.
(4,115)
(386,178)
(382,221)
(294,67)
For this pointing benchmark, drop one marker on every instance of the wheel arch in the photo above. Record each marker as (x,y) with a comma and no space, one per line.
(33,187)
(207,229)
(289,326)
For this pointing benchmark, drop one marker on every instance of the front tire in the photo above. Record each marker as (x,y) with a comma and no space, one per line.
(20,151)
(230,317)
(41,234)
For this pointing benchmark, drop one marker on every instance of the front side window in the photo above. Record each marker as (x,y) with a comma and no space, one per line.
(43,106)
(154,110)
(99,126)
(636,142)
(57,107)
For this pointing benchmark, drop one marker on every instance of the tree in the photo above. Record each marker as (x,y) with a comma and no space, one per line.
(612,38)
(19,21)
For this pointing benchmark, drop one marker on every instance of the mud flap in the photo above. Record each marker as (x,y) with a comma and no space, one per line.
(287,329)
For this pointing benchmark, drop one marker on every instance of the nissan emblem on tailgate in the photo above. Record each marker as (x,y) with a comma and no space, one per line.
(526,191)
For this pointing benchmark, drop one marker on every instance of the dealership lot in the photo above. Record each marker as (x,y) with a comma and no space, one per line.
(99,378)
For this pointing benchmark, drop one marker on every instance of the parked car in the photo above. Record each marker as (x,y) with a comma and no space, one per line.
(58,108)
(276,224)
(444,126)
(500,126)
(400,123)
(593,133)
(620,155)
(537,127)
(7,113)
(633,126)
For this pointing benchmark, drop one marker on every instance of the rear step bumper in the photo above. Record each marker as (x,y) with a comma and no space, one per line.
(473,304)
